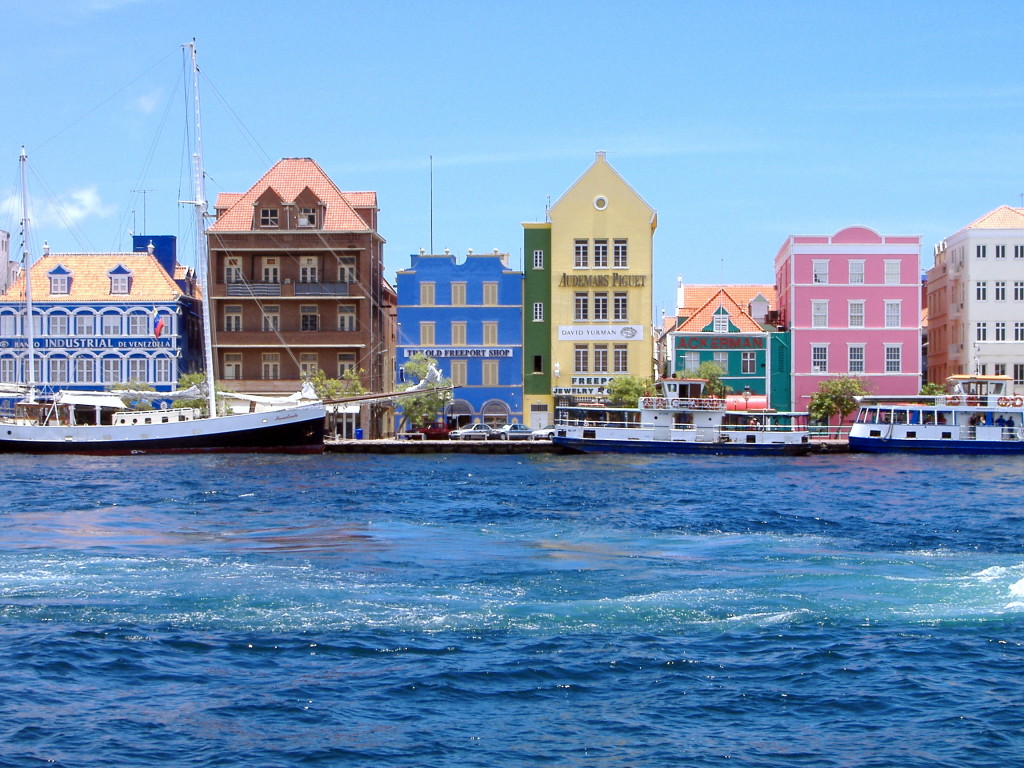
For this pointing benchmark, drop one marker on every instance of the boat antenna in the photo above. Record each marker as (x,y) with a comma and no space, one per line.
(202,258)
(30,332)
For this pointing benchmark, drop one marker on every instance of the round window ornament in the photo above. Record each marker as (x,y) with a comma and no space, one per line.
(600,202)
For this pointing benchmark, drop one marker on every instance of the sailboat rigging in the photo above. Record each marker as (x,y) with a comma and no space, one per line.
(98,423)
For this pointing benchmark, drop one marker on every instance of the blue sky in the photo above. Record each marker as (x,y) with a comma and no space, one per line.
(741,123)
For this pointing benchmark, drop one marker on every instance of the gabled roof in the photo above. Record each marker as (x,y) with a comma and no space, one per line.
(704,316)
(289,179)
(90,279)
(696,296)
(1003,217)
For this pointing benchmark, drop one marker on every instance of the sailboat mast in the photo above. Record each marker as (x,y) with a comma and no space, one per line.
(30,330)
(202,257)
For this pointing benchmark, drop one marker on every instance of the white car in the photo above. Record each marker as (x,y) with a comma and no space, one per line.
(544,433)
(513,432)
(472,432)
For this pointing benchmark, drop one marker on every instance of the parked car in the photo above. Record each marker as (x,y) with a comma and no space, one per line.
(434,432)
(476,431)
(513,432)
(544,433)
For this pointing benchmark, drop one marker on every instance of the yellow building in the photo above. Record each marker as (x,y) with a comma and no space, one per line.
(588,294)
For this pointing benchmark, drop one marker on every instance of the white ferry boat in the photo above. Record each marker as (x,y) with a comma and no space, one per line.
(979,414)
(682,419)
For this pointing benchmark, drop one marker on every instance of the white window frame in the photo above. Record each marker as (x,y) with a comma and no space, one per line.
(819,358)
(855,313)
(620,254)
(856,272)
(894,358)
(819,313)
(855,356)
(580,254)
(538,312)
(894,313)
(893,268)
(819,271)
(538,259)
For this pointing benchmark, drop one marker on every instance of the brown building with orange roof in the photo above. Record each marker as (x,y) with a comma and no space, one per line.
(101,319)
(296,284)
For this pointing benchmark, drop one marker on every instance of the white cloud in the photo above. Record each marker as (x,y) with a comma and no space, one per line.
(148,102)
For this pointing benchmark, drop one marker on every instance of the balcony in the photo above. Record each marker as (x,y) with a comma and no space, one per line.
(242,290)
(321,289)
(253,289)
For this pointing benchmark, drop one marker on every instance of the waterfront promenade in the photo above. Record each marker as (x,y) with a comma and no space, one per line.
(406,446)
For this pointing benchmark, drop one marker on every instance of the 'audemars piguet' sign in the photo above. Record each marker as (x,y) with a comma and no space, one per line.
(600,333)
(614,280)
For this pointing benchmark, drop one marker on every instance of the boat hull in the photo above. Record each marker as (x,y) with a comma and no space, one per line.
(290,430)
(598,445)
(945,447)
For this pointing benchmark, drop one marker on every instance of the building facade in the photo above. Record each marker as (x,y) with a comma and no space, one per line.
(469,318)
(101,319)
(976,300)
(851,302)
(296,284)
(588,293)
(730,326)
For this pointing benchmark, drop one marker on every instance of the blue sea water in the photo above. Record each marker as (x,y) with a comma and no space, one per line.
(459,610)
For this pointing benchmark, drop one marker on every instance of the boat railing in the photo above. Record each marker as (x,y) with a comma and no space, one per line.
(682,403)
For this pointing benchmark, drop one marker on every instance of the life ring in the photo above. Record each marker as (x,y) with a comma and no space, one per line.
(952,400)
(1003,402)
(1018,402)
(971,400)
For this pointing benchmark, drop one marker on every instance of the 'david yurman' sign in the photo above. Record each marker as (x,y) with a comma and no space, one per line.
(600,333)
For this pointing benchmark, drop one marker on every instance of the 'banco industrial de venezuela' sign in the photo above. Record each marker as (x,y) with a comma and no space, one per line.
(726,341)
(87,342)
(614,280)
(600,333)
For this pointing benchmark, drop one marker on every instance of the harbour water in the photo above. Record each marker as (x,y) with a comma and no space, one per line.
(539,610)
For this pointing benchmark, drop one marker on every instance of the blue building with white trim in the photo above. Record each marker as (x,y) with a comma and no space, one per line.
(468,317)
(100,319)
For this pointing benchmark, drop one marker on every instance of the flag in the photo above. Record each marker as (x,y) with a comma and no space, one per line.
(158,325)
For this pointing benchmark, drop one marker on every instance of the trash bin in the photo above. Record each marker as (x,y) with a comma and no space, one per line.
(359,434)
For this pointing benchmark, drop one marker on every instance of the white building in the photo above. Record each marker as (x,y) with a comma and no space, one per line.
(976,300)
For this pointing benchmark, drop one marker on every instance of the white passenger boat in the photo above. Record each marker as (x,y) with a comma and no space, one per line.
(979,414)
(681,419)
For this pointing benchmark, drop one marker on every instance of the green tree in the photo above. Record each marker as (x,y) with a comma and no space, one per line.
(329,389)
(932,389)
(422,410)
(836,397)
(199,380)
(713,373)
(135,402)
(626,391)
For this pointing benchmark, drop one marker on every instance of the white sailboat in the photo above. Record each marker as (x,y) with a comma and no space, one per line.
(98,423)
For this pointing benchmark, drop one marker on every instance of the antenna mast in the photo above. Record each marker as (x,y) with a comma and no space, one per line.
(202,258)
(30,330)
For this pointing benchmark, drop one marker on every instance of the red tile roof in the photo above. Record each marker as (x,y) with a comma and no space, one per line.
(289,179)
(90,282)
(704,316)
(1003,217)
(696,296)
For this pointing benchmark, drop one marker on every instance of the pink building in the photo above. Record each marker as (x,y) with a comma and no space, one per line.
(851,302)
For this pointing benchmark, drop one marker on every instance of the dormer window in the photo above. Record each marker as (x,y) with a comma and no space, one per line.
(721,322)
(268,217)
(60,280)
(307,217)
(120,280)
